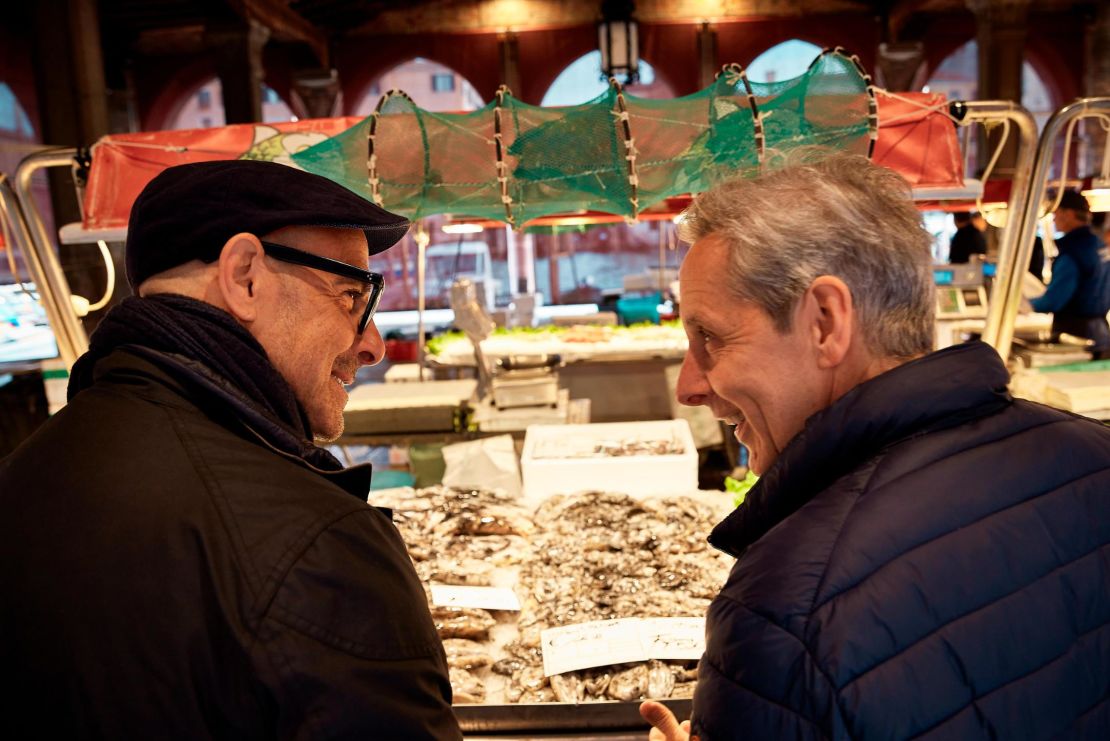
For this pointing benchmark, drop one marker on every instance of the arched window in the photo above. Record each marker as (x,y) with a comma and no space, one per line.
(431,85)
(18,139)
(1035,95)
(958,78)
(205,108)
(13,119)
(783,61)
(581,81)
(16,131)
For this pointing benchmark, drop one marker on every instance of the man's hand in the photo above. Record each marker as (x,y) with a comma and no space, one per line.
(665,727)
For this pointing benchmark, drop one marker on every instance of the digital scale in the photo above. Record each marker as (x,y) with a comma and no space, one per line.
(513,391)
(959,291)
(961,301)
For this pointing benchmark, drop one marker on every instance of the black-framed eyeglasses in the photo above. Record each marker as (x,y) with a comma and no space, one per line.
(374,281)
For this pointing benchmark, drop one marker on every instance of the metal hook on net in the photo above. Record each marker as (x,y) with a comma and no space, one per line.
(625,127)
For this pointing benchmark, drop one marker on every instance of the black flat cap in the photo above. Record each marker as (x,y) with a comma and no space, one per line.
(189,212)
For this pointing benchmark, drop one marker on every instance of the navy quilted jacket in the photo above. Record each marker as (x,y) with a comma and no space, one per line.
(928,558)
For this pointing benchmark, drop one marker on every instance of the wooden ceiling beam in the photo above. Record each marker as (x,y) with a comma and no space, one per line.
(285,24)
(480,16)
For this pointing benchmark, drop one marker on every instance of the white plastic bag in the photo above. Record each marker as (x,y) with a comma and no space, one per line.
(489,463)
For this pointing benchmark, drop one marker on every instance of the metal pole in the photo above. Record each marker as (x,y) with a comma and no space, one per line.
(9,207)
(512,263)
(662,261)
(421,238)
(1036,184)
(1014,248)
(54,286)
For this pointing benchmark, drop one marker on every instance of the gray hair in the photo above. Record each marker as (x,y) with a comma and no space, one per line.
(814,213)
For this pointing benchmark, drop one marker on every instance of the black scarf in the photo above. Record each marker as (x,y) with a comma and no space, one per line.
(203,346)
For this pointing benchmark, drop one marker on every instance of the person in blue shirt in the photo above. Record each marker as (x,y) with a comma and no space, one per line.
(1078,295)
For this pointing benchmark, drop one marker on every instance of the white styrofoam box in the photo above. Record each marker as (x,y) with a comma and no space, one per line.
(556,459)
(405,373)
(383,408)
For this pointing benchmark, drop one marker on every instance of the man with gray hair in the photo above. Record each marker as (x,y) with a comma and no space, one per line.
(923,555)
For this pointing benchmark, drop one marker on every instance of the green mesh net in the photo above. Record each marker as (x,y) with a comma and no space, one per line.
(617,154)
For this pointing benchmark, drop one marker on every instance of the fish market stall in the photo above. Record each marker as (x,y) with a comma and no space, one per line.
(561,613)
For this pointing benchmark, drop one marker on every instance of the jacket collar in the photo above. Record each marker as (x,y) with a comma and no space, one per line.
(939,390)
(1078,238)
(219,400)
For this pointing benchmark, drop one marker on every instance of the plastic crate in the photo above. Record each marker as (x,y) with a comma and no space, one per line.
(557,459)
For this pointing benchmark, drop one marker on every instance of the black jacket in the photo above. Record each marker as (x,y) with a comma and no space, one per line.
(166,573)
(929,558)
(967,241)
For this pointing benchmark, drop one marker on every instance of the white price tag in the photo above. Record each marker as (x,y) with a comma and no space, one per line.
(596,643)
(486,598)
(605,642)
(673,638)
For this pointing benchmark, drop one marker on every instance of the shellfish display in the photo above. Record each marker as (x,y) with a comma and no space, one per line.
(576,558)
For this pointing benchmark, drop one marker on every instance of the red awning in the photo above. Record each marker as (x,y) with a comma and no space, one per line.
(917,140)
(122,164)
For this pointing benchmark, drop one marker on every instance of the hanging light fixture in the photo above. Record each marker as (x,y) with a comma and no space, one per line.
(619,42)
(463,227)
(1098,195)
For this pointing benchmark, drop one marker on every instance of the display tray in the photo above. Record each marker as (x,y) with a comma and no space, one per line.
(572,344)
(563,616)
(559,717)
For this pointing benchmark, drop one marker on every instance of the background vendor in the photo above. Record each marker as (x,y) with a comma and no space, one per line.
(968,239)
(1078,295)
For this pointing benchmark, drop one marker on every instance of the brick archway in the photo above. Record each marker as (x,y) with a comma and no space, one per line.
(743,42)
(1057,74)
(171,88)
(660,88)
(363,60)
(1044,57)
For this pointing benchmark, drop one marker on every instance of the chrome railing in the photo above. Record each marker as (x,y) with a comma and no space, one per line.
(1037,186)
(42,260)
(57,305)
(1013,250)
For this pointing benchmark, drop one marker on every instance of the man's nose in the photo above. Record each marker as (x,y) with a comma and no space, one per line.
(370,345)
(692,388)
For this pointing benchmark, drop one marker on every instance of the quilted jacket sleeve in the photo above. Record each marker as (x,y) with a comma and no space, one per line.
(757,680)
(351,643)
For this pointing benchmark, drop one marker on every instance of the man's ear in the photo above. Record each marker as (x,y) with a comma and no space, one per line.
(241,267)
(830,318)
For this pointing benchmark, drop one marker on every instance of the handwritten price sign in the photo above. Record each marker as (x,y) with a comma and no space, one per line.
(605,642)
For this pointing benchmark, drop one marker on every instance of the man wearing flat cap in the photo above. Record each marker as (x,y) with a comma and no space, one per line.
(1078,296)
(178,558)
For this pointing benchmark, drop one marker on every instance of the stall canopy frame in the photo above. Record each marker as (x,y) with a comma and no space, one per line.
(123,164)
